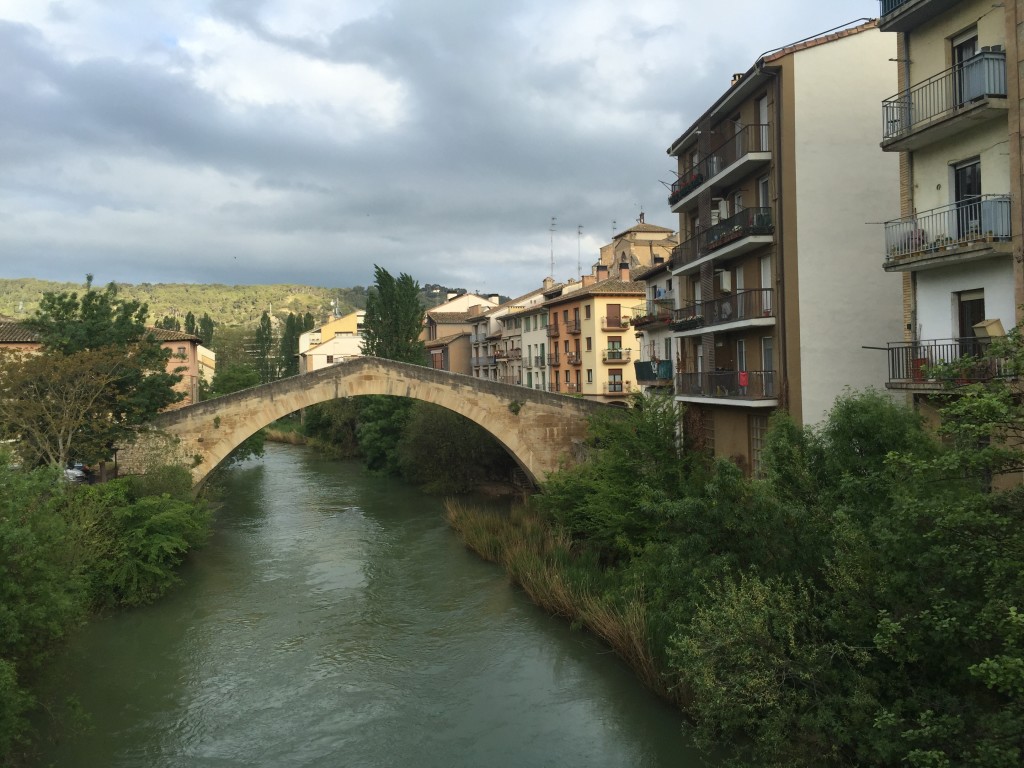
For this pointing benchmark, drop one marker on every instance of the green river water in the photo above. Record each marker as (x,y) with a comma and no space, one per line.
(335,620)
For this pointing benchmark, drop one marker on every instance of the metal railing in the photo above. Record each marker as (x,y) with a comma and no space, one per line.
(748,222)
(982,76)
(910,361)
(554,386)
(888,6)
(574,358)
(572,387)
(686,252)
(739,385)
(552,358)
(747,139)
(742,305)
(616,355)
(538,361)
(614,322)
(617,387)
(527,362)
(985,218)
(574,327)
(553,329)
(652,311)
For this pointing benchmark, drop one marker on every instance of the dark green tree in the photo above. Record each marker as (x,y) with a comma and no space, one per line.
(288,354)
(190,324)
(95,331)
(308,322)
(205,330)
(262,352)
(394,319)
(169,323)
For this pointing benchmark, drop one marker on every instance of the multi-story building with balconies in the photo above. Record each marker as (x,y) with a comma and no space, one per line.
(954,123)
(652,326)
(591,349)
(779,193)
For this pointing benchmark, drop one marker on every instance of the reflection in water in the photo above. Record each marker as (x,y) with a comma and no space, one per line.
(334,620)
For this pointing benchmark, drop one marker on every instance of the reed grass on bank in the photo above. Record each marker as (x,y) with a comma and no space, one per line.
(539,559)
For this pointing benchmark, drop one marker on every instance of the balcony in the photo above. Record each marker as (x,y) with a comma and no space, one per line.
(745,231)
(572,388)
(653,372)
(616,355)
(478,338)
(553,358)
(904,15)
(946,104)
(739,310)
(538,361)
(573,327)
(972,228)
(728,385)
(527,362)
(614,323)
(617,387)
(574,358)
(909,362)
(736,157)
(654,312)
(553,329)
(554,386)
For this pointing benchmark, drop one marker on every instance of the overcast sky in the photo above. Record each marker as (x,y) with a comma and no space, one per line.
(302,141)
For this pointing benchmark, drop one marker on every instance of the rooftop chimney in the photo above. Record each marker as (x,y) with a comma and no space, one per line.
(736,79)
(495,298)
(589,280)
(624,271)
(548,282)
(602,271)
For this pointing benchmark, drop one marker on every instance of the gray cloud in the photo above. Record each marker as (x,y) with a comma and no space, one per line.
(133,168)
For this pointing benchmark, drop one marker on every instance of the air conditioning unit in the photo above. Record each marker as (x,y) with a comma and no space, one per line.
(724,278)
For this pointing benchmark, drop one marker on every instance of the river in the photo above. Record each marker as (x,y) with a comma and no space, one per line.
(334,620)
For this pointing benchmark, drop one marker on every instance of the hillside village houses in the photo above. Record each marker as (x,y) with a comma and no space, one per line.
(953,238)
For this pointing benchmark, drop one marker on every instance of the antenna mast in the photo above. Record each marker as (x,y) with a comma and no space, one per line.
(579,261)
(552,230)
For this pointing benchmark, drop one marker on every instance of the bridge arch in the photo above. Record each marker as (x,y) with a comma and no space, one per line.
(538,429)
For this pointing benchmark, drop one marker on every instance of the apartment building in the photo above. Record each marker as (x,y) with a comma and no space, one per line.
(779,193)
(590,347)
(448,328)
(535,343)
(954,238)
(332,342)
(652,326)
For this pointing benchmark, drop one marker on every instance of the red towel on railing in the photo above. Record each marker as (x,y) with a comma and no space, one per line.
(744,378)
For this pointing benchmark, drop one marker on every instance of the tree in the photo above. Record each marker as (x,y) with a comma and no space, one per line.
(190,324)
(100,376)
(169,323)
(205,331)
(288,355)
(394,319)
(264,343)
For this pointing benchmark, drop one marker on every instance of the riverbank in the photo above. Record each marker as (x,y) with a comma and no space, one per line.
(540,560)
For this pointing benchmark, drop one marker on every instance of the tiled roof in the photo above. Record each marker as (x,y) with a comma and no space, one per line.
(444,340)
(611,287)
(442,318)
(650,271)
(815,41)
(15,333)
(161,334)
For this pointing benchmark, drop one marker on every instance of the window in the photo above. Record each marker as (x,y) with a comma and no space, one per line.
(614,351)
(668,285)
(589,347)
(763,199)
(615,380)
(970,311)
(766,284)
(586,311)
(965,47)
(758,432)
(741,355)
(181,352)
(529,379)
(567,346)
(768,365)
(590,376)
(567,376)
(330,358)
(565,316)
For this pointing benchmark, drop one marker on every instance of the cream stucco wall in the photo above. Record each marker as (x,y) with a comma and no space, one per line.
(340,347)
(933,166)
(936,302)
(930,51)
(844,187)
(533,338)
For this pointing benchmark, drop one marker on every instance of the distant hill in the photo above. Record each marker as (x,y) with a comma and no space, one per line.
(228,305)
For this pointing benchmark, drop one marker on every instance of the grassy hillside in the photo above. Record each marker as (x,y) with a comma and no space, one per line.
(228,305)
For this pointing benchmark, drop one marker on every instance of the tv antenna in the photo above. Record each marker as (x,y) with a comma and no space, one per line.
(579,262)
(614,227)
(552,230)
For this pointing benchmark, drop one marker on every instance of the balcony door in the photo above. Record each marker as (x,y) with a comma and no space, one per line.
(967,196)
(970,311)
(965,47)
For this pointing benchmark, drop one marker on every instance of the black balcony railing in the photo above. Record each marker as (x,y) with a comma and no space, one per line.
(554,386)
(911,362)
(749,221)
(616,355)
(574,358)
(747,139)
(552,358)
(985,218)
(942,95)
(553,329)
(652,312)
(743,305)
(573,327)
(739,385)
(538,361)
(685,252)
(888,6)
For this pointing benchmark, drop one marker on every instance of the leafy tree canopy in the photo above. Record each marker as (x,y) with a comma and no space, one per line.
(394,319)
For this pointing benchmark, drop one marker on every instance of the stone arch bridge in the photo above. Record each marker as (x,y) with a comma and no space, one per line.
(538,429)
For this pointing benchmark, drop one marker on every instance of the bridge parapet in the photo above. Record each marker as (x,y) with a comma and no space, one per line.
(539,429)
